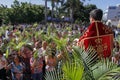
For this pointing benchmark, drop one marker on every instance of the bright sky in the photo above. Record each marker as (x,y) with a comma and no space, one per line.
(102,4)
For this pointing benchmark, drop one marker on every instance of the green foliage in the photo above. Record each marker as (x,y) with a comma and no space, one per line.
(35,25)
(2,29)
(79,11)
(104,67)
(16,45)
(88,60)
(22,12)
(7,53)
(73,70)
(54,75)
(89,56)
(35,55)
(113,74)
(97,69)
(61,43)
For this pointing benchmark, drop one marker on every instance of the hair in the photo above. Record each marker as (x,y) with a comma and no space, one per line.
(29,47)
(20,59)
(96,14)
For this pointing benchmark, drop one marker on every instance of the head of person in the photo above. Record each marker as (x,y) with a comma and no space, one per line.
(117,56)
(96,15)
(27,50)
(44,44)
(17,59)
(38,44)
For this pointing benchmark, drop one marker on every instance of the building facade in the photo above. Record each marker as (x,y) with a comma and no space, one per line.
(112,14)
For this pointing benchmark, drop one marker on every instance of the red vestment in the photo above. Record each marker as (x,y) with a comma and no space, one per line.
(100,37)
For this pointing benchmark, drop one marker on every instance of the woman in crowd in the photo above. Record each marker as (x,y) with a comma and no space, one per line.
(51,61)
(17,68)
(26,53)
(36,67)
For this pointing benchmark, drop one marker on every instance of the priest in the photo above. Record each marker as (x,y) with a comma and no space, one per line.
(97,35)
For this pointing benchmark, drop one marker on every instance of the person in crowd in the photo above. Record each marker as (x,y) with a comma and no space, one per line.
(50,58)
(98,35)
(51,61)
(75,42)
(37,67)
(3,63)
(41,52)
(38,46)
(26,53)
(116,58)
(116,46)
(17,68)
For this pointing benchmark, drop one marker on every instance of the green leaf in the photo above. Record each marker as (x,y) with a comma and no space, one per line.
(7,53)
(54,75)
(35,55)
(113,74)
(73,69)
(102,67)
(88,59)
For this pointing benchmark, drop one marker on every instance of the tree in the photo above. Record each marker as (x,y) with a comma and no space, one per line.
(77,10)
(71,6)
(87,9)
(54,4)
(26,12)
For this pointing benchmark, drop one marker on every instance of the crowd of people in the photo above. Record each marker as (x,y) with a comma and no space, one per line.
(38,54)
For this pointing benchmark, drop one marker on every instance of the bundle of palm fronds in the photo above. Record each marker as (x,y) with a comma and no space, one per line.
(86,66)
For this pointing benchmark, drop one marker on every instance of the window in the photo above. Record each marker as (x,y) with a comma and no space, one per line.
(112,7)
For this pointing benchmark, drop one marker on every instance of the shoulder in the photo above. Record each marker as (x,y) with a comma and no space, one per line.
(108,29)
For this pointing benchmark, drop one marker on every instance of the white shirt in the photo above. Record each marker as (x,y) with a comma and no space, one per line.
(41,52)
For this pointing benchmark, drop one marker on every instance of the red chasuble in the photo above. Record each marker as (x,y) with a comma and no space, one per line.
(100,37)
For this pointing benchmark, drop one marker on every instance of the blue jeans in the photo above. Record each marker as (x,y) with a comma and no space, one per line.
(37,76)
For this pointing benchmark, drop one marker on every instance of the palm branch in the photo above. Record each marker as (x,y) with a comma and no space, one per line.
(88,57)
(2,29)
(7,53)
(54,75)
(73,69)
(104,69)
(35,24)
(38,34)
(61,43)
(113,74)
(35,55)
(17,45)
